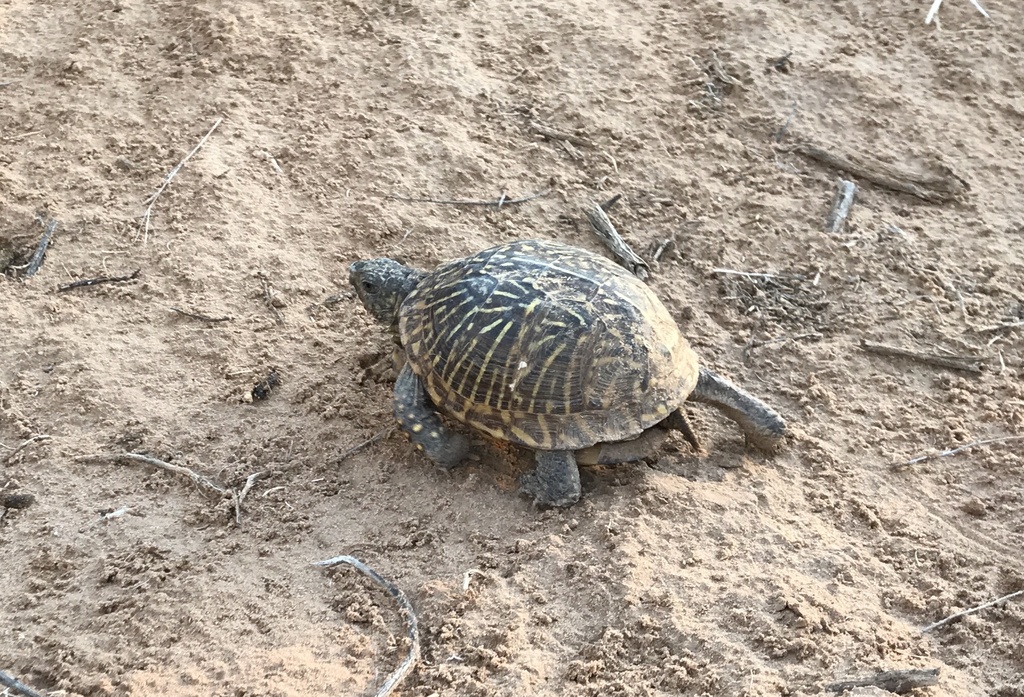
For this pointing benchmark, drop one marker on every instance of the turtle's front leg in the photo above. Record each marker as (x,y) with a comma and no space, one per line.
(555,481)
(418,418)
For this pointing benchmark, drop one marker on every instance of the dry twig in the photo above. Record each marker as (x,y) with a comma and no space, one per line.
(240,497)
(378,436)
(899,681)
(561,136)
(199,316)
(662,247)
(610,203)
(954,451)
(34,439)
(967,364)
(720,72)
(498,203)
(268,296)
(748,274)
(149,202)
(1015,324)
(836,219)
(36,261)
(199,479)
(971,611)
(403,603)
(602,226)
(16,685)
(935,188)
(469,575)
(758,343)
(96,281)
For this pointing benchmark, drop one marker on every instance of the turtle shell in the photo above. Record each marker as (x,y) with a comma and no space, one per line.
(546,345)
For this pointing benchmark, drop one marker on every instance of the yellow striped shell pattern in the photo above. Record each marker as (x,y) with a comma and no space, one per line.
(546,345)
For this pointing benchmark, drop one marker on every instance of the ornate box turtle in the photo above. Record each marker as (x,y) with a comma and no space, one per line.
(550,347)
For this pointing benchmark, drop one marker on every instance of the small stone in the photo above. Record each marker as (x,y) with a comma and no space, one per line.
(976,508)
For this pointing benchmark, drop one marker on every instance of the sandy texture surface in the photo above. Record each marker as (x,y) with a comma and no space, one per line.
(721,573)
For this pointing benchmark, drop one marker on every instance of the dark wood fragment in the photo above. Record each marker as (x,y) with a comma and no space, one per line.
(602,226)
(898,681)
(97,281)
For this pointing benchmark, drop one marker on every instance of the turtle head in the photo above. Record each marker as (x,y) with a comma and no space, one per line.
(382,285)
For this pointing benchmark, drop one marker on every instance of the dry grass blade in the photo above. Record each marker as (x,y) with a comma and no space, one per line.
(167,180)
(199,316)
(85,283)
(954,451)
(952,618)
(403,603)
(497,203)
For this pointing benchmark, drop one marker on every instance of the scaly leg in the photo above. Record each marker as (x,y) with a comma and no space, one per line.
(555,481)
(418,418)
(762,425)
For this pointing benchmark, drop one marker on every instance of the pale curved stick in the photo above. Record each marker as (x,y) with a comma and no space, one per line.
(403,602)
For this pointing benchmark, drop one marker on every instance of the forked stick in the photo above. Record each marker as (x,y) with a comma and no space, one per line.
(199,479)
(7,458)
(938,3)
(403,603)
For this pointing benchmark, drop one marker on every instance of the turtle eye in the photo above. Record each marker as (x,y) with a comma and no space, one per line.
(368,287)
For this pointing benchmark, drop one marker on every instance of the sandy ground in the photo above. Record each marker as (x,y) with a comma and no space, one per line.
(720,573)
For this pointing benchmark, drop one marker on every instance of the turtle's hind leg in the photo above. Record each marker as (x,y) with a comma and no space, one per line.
(418,418)
(763,426)
(555,481)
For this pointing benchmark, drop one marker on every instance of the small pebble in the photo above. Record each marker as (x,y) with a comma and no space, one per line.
(976,508)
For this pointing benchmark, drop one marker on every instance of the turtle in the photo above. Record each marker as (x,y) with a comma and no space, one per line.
(550,347)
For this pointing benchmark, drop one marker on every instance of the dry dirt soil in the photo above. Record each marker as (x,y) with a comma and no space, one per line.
(724,572)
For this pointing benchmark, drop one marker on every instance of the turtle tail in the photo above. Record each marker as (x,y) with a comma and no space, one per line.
(763,426)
